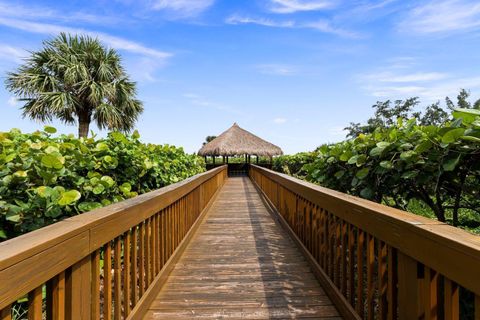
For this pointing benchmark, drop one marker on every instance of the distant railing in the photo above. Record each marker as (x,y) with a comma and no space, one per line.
(374,261)
(103,264)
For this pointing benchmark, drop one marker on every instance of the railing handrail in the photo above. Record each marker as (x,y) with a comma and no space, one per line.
(451,251)
(58,246)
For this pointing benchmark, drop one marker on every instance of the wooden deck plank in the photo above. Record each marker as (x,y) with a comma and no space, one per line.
(241,264)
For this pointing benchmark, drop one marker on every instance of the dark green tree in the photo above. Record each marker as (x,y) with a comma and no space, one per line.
(77,80)
(208,139)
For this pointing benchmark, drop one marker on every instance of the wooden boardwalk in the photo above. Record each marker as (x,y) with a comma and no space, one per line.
(241,265)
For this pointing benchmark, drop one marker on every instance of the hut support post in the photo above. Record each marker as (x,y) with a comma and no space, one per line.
(213,159)
(257,159)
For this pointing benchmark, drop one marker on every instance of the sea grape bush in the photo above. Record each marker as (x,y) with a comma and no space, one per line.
(437,165)
(294,165)
(44,179)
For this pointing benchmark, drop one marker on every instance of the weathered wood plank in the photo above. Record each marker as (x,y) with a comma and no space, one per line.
(241,264)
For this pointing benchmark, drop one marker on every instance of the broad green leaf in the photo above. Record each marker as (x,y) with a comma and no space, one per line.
(362,173)
(468,115)
(423,146)
(339,174)
(375,152)
(125,187)
(470,138)
(451,163)
(3,234)
(69,197)
(89,206)
(386,164)
(407,154)
(108,180)
(453,135)
(99,188)
(49,129)
(52,161)
(366,193)
(383,144)
(20,174)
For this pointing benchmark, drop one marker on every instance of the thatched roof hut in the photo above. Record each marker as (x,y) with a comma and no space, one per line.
(237,141)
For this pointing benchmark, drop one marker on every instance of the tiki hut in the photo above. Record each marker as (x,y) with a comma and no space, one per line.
(237,141)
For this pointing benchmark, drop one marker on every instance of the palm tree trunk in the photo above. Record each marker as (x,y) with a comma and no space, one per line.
(83,125)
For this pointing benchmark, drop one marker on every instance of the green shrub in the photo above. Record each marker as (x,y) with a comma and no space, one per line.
(44,179)
(436,165)
(294,164)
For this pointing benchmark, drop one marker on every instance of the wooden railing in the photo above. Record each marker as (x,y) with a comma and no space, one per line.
(103,264)
(374,261)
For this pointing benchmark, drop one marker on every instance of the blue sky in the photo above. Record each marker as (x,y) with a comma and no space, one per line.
(295,72)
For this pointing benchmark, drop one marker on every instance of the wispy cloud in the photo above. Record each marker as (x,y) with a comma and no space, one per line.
(277,69)
(279,120)
(11,53)
(113,41)
(201,101)
(183,8)
(236,19)
(395,83)
(35,12)
(12,101)
(324,26)
(408,77)
(441,16)
(292,6)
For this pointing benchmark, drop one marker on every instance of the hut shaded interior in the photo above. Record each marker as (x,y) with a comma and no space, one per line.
(238,142)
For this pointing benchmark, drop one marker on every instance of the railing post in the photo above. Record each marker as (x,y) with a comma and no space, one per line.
(78,291)
(408,304)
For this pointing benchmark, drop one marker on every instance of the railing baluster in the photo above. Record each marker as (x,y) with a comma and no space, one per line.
(344,258)
(6,313)
(126,273)
(107,282)
(135,265)
(35,304)
(95,284)
(392,283)
(382,280)
(141,258)
(360,286)
(370,280)
(451,294)
(351,264)
(430,293)
(117,278)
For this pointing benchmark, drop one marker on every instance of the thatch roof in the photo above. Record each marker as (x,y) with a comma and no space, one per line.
(237,141)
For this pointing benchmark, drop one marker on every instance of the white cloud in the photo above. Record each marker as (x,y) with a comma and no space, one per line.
(443,16)
(201,101)
(235,19)
(320,25)
(409,77)
(12,101)
(428,86)
(184,8)
(277,69)
(115,42)
(12,53)
(326,27)
(291,6)
(10,10)
(279,120)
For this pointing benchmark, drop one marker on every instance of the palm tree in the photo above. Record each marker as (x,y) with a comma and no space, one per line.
(76,79)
